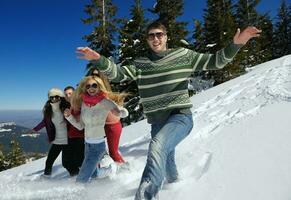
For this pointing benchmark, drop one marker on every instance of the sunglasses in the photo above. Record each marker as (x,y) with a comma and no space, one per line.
(159,35)
(94,85)
(55,97)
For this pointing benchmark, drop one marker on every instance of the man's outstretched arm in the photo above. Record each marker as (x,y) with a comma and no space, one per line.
(109,68)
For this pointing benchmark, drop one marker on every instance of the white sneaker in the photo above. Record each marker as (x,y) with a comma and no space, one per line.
(123,166)
(46,176)
(104,172)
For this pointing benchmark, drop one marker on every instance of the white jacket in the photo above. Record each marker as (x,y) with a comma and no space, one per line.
(93,119)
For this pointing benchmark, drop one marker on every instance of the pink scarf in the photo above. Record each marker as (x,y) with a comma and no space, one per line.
(92,100)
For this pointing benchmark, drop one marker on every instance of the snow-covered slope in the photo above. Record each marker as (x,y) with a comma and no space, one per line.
(239,149)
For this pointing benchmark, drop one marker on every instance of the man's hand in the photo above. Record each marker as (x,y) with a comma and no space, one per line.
(87,53)
(244,36)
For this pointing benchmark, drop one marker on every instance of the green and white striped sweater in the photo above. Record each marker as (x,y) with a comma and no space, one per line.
(163,79)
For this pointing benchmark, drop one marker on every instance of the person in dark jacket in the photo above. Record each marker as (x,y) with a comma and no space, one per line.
(56,127)
(75,154)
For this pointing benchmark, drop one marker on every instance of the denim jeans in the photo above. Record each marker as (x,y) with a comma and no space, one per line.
(161,154)
(93,155)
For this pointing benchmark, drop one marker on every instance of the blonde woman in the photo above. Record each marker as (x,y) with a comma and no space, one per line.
(94,103)
(113,126)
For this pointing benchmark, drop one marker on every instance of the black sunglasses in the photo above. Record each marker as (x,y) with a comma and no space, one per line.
(55,97)
(159,35)
(94,85)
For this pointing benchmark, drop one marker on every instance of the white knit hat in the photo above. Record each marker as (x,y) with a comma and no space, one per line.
(55,92)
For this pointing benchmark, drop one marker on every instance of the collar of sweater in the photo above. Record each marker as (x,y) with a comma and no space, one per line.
(55,106)
(156,56)
(92,100)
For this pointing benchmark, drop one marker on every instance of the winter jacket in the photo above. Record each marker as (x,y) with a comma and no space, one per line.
(50,128)
(73,132)
(93,118)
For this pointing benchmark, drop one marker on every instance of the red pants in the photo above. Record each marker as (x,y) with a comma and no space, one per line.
(113,133)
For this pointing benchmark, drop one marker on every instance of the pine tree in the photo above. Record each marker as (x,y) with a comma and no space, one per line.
(219,29)
(15,157)
(265,41)
(199,41)
(2,159)
(246,15)
(168,11)
(101,16)
(282,32)
(132,36)
(219,24)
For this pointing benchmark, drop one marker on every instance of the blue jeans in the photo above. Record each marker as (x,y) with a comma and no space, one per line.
(93,155)
(161,154)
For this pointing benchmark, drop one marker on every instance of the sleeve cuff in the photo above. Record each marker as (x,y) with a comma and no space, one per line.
(101,63)
(231,50)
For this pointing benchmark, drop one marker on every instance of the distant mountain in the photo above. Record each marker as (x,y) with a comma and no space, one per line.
(26,118)
(36,143)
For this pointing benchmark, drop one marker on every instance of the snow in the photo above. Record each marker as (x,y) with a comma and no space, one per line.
(238,149)
(3,124)
(34,135)
(7,124)
(5,130)
(211,45)
(135,42)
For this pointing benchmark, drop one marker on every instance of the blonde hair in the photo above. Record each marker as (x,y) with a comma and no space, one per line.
(76,101)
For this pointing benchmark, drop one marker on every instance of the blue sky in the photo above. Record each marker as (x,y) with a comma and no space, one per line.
(38,40)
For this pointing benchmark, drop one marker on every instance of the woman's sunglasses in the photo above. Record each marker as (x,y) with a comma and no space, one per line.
(94,85)
(55,97)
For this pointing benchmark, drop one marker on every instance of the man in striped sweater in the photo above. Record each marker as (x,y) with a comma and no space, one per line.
(162,79)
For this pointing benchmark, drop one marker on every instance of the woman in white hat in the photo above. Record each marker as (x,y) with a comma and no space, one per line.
(56,127)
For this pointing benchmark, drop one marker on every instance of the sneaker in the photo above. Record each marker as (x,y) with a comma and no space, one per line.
(47,172)
(74,173)
(123,166)
(104,172)
(46,176)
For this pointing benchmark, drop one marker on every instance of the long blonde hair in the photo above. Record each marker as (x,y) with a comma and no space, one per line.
(76,101)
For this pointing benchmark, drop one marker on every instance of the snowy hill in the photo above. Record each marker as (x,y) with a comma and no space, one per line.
(29,143)
(239,149)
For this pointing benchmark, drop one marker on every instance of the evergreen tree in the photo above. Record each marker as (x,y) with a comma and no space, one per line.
(132,37)
(219,24)
(168,11)
(282,32)
(101,16)
(2,159)
(265,41)
(219,29)
(15,157)
(246,15)
(199,41)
